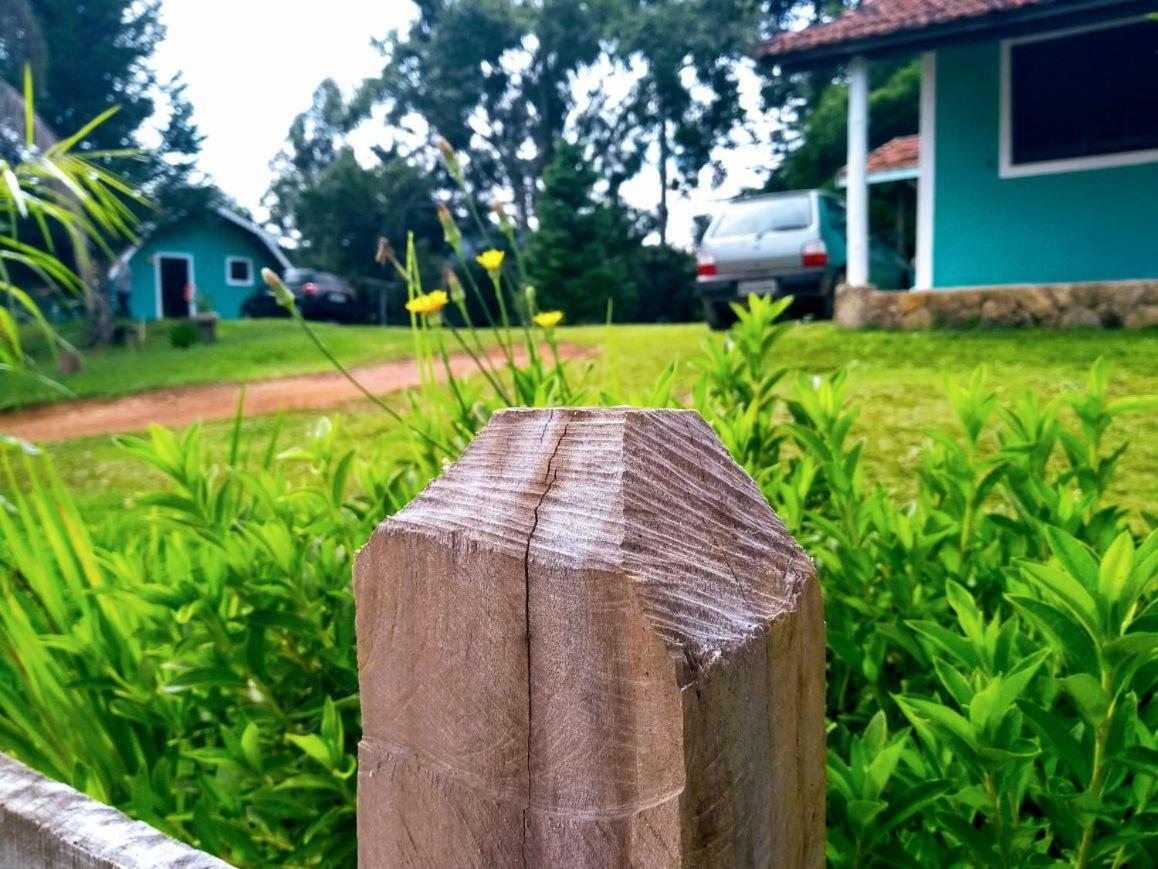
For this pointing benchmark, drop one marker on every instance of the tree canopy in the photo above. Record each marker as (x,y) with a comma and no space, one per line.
(579,258)
(494,78)
(89,57)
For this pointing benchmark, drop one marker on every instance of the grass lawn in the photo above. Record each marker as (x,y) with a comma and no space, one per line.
(245,350)
(894,377)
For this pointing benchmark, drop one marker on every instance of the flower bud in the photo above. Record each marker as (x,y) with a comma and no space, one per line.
(453,285)
(384,253)
(505,225)
(449,228)
(281,293)
(449,157)
(446,148)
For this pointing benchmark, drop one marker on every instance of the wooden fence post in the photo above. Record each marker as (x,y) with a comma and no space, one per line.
(590,643)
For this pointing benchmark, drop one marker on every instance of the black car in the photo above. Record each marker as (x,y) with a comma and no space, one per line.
(319,296)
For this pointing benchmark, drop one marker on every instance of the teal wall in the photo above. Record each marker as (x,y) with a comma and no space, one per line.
(1099,224)
(209,240)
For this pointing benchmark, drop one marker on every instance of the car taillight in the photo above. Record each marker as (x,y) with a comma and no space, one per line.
(310,289)
(705,265)
(813,254)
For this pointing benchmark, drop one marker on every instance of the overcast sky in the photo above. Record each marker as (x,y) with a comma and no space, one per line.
(252,66)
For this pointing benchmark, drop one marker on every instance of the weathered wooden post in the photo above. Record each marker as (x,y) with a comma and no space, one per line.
(590,643)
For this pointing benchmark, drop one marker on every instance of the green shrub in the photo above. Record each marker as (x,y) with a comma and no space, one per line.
(993,643)
(183,334)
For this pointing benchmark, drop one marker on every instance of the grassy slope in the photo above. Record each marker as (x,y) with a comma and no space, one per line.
(246,350)
(895,378)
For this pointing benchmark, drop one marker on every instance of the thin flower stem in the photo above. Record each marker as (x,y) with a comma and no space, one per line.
(1098,776)
(477,290)
(391,412)
(450,378)
(473,209)
(465,312)
(553,344)
(481,367)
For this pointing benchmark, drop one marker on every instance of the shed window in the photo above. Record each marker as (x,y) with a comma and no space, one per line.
(239,271)
(1084,96)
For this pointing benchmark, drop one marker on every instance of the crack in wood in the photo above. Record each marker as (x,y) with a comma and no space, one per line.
(658,567)
(550,475)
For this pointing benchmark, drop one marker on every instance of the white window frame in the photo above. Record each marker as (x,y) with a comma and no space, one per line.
(158,296)
(229,261)
(1006,167)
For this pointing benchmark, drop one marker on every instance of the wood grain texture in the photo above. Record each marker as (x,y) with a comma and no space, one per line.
(48,825)
(590,643)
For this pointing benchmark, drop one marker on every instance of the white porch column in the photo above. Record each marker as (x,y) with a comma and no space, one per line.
(927,171)
(857,196)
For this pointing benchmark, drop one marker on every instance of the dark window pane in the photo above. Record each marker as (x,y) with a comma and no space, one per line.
(239,270)
(1085,94)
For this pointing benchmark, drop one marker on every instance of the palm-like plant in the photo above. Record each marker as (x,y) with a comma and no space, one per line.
(50,187)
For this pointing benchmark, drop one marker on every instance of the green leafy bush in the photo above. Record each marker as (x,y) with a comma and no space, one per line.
(993,643)
(183,334)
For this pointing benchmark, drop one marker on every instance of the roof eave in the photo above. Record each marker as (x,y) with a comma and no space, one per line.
(884,176)
(257,232)
(996,24)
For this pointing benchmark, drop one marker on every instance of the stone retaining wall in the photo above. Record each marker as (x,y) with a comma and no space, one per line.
(1128,304)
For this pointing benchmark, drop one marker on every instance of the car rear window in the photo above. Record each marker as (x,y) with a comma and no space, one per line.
(764,215)
(330,283)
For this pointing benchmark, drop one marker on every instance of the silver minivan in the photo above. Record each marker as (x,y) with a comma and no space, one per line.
(783,244)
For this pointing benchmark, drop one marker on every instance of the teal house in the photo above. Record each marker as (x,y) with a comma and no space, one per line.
(1038,145)
(214,257)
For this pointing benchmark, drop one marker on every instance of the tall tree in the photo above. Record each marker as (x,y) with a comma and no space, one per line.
(494,77)
(337,208)
(87,58)
(341,216)
(578,259)
(316,138)
(92,56)
(685,55)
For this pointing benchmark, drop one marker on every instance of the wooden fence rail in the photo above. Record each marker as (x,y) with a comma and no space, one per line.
(590,643)
(47,824)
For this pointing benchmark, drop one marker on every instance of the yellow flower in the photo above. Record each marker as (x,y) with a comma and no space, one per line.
(491,260)
(548,319)
(427,304)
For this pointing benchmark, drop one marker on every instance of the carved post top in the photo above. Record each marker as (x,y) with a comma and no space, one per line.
(649,493)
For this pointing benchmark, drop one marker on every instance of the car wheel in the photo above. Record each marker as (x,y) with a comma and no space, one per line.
(718,315)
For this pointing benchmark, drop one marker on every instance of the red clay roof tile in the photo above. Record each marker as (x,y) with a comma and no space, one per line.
(875,18)
(903,152)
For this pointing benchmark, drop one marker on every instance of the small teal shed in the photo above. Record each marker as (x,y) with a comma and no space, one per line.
(1038,148)
(216,255)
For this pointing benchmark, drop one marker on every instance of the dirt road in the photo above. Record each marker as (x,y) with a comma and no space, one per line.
(183,405)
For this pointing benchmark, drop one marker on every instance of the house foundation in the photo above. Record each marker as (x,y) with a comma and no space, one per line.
(1093,304)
